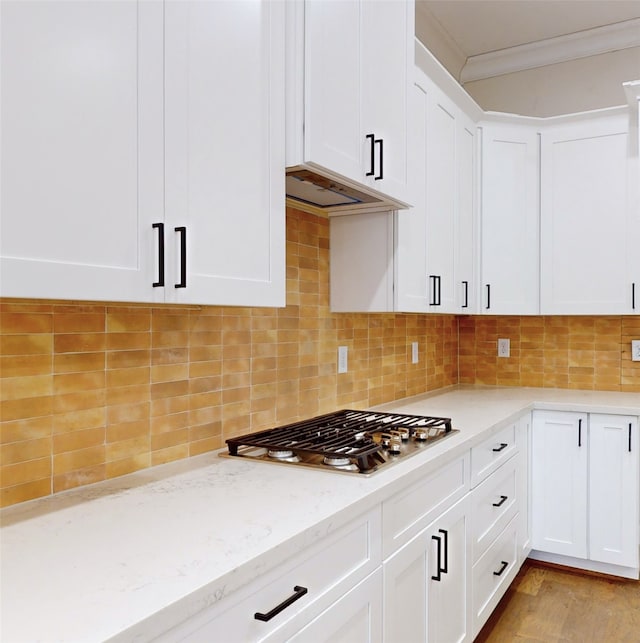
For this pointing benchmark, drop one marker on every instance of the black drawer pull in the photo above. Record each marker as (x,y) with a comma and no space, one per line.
(503,445)
(580,432)
(500,502)
(629,437)
(298,592)
(503,566)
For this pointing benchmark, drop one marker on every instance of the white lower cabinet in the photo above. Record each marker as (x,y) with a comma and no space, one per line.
(585,490)
(426,583)
(319,591)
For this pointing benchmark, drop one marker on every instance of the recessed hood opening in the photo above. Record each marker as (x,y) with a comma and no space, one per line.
(314,192)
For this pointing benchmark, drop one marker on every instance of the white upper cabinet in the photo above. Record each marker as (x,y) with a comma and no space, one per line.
(510,219)
(143,151)
(588,212)
(435,240)
(348,99)
(81,149)
(224,128)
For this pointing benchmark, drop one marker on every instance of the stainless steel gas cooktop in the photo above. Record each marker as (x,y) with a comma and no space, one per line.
(360,442)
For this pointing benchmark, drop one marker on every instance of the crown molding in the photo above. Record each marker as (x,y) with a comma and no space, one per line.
(581,44)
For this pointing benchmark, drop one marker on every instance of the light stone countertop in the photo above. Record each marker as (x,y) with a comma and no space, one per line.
(128,558)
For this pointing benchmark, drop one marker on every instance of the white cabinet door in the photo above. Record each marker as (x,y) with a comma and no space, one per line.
(465,283)
(357,57)
(354,618)
(434,261)
(559,483)
(425,583)
(387,64)
(448,592)
(81,143)
(510,219)
(586,221)
(613,489)
(224,129)
(441,200)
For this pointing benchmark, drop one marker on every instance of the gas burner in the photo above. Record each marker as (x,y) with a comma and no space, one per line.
(280,454)
(336,461)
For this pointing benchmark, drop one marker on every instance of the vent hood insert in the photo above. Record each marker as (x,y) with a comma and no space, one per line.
(310,191)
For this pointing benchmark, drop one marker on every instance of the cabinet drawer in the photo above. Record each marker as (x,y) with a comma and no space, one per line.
(493,573)
(495,502)
(326,570)
(409,511)
(490,454)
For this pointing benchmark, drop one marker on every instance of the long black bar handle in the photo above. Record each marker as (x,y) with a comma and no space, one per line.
(182,231)
(633,296)
(298,592)
(160,228)
(445,538)
(500,502)
(502,447)
(465,285)
(580,432)
(488,296)
(432,290)
(438,575)
(503,565)
(439,290)
(371,172)
(629,437)
(380,174)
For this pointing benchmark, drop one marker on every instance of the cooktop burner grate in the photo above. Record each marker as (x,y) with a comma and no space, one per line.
(362,437)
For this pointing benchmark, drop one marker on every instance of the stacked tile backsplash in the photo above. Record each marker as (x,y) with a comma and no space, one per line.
(91,391)
(592,353)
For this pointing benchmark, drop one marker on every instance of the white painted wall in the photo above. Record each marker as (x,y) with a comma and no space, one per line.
(564,88)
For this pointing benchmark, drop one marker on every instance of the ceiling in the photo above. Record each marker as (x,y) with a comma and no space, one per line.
(481,30)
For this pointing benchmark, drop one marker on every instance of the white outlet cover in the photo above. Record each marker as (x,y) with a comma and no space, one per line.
(504,348)
(635,350)
(414,352)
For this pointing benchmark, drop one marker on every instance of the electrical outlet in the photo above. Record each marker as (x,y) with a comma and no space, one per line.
(342,359)
(504,348)
(635,350)
(414,352)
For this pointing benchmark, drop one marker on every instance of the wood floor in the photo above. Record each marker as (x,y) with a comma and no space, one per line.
(548,604)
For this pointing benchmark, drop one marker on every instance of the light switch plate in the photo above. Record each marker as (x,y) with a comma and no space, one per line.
(414,352)
(635,350)
(342,359)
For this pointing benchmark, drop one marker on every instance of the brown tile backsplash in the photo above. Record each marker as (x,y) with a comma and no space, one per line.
(91,391)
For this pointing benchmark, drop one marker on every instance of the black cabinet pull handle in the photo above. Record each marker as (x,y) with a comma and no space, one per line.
(503,565)
(633,296)
(380,175)
(445,539)
(160,228)
(500,502)
(503,445)
(488,296)
(466,294)
(183,257)
(298,592)
(438,575)
(580,432)
(371,172)
(629,437)
(436,290)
